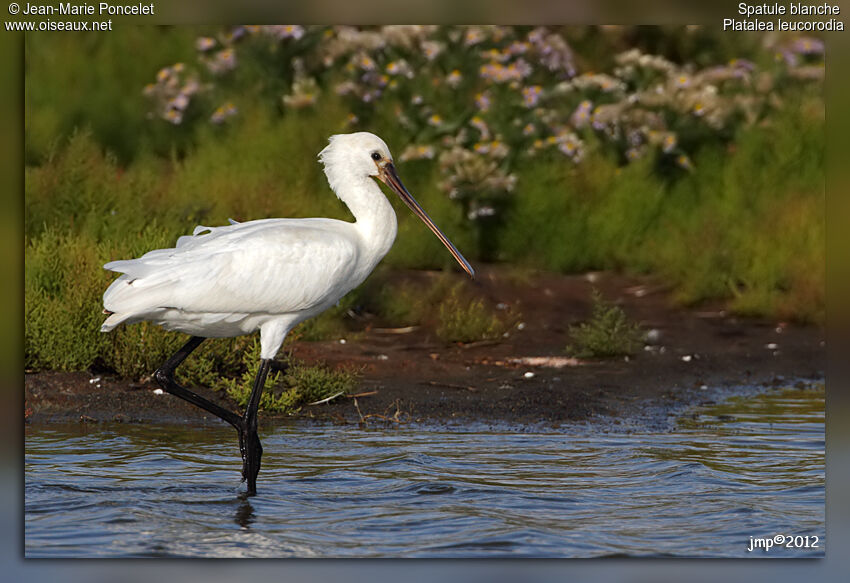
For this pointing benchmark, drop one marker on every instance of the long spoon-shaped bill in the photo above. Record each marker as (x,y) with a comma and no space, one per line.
(389,176)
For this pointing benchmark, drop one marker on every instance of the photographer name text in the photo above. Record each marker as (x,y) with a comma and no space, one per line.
(795,16)
(102,8)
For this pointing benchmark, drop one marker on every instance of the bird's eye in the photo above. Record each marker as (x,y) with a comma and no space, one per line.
(376,156)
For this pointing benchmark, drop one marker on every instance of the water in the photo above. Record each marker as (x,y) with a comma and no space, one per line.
(748,467)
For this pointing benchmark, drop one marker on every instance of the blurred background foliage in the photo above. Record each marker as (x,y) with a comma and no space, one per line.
(686,152)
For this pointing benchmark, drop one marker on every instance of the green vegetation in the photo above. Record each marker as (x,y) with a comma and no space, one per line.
(453,310)
(739,220)
(607,333)
(286,392)
(747,226)
(405,304)
(328,325)
(467,319)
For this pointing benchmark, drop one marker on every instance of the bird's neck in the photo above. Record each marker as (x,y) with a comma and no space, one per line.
(373,213)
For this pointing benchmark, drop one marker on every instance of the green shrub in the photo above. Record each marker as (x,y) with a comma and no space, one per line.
(466,319)
(63,286)
(607,333)
(406,302)
(287,393)
(400,305)
(316,382)
(137,350)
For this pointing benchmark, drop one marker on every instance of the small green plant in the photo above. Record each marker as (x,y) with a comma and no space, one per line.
(465,319)
(287,392)
(404,304)
(313,383)
(608,333)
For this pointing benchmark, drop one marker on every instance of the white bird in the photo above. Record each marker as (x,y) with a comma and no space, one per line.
(267,275)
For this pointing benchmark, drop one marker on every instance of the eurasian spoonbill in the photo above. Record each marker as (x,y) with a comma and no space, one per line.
(267,275)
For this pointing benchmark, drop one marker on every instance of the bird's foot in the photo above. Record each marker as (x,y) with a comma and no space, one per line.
(252,453)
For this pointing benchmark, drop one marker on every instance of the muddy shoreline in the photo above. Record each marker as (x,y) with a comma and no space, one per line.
(408,376)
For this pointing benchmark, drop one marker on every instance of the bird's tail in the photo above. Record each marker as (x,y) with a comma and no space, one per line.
(113,320)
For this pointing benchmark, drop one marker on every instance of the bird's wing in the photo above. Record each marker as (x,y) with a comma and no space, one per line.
(271,266)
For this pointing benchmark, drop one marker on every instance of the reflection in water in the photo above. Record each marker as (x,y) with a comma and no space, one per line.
(245,512)
(744,468)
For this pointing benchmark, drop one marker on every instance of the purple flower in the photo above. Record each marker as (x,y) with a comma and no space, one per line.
(223,112)
(179,102)
(531,95)
(204,43)
(742,64)
(808,46)
(581,115)
(291,31)
(482,101)
(788,56)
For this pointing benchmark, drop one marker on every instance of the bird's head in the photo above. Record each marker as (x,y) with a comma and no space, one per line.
(366,155)
(361,153)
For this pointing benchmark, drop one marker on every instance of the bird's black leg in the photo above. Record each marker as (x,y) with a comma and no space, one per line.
(249,441)
(165,377)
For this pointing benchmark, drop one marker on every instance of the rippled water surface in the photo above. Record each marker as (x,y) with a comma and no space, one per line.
(748,467)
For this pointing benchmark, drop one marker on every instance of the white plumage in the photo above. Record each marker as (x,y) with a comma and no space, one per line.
(265,275)
(269,275)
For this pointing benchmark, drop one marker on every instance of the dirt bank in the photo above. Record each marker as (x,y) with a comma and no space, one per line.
(408,375)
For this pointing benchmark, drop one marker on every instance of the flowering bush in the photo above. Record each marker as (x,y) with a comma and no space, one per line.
(481,99)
